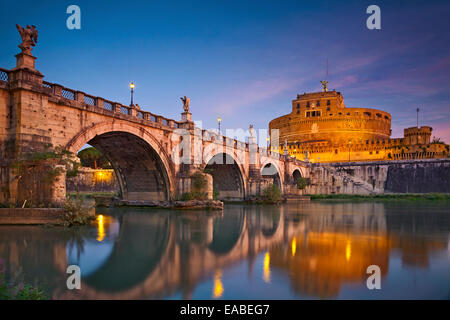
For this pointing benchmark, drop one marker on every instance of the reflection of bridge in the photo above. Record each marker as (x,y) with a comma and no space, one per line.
(319,247)
(153,156)
(175,254)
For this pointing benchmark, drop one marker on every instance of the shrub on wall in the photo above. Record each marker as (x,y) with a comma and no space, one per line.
(38,171)
(198,182)
(302,183)
(271,194)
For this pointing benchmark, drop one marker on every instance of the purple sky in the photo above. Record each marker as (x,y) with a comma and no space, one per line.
(245,60)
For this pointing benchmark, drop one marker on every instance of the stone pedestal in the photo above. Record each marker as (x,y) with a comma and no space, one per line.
(25,73)
(25,61)
(186,117)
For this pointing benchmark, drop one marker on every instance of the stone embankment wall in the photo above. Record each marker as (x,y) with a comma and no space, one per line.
(93,180)
(403,176)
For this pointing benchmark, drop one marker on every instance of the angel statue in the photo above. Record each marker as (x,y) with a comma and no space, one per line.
(29,38)
(324,85)
(186,102)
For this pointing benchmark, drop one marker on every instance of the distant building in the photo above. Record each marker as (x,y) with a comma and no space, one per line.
(321,128)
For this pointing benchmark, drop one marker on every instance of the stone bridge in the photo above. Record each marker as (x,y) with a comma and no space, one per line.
(154,157)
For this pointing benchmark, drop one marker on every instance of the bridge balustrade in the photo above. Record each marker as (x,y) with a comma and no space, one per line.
(4,75)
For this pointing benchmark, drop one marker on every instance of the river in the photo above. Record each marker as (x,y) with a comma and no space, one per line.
(306,250)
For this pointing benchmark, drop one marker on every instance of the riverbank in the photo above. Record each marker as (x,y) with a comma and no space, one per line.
(22,216)
(383,197)
(178,205)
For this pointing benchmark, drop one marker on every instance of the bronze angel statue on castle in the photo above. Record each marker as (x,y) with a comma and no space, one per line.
(29,37)
(186,102)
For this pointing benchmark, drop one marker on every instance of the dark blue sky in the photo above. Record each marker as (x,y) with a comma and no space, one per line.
(245,60)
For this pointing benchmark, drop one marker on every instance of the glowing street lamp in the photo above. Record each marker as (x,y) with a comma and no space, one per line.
(132,90)
(219,120)
(267,139)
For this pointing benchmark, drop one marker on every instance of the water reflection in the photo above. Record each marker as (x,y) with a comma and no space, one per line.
(306,250)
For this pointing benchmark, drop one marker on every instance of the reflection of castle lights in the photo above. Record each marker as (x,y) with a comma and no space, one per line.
(218,286)
(294,246)
(348,250)
(101,228)
(266,270)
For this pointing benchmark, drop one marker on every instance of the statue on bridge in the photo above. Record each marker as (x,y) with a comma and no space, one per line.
(29,37)
(186,103)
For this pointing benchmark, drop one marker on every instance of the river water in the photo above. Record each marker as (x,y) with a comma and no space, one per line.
(307,250)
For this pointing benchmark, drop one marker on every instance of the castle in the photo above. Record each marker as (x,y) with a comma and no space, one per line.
(320,128)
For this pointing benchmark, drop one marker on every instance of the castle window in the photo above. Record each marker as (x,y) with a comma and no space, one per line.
(348,113)
(308,114)
(318,103)
(298,111)
(378,115)
(367,114)
(340,113)
(376,152)
(328,108)
(298,105)
(308,104)
(335,151)
(328,102)
(386,117)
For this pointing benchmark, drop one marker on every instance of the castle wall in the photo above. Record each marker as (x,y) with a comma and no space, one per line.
(405,176)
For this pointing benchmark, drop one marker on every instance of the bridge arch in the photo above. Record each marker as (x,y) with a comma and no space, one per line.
(296,174)
(269,169)
(142,166)
(228,175)
(301,170)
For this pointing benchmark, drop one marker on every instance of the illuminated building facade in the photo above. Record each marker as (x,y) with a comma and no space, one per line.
(320,128)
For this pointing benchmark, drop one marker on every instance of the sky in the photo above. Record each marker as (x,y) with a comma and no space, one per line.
(245,61)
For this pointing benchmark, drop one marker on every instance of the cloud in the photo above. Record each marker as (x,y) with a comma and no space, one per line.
(246,95)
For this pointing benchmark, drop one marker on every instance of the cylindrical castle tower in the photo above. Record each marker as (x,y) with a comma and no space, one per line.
(323,118)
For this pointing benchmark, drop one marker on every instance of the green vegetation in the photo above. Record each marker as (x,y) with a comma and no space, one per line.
(302,183)
(384,197)
(198,183)
(76,213)
(92,158)
(40,170)
(193,195)
(271,194)
(18,291)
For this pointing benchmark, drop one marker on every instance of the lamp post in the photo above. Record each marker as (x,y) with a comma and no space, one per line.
(132,90)
(267,140)
(219,120)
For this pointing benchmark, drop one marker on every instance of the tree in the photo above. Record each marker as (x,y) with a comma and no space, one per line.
(92,158)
